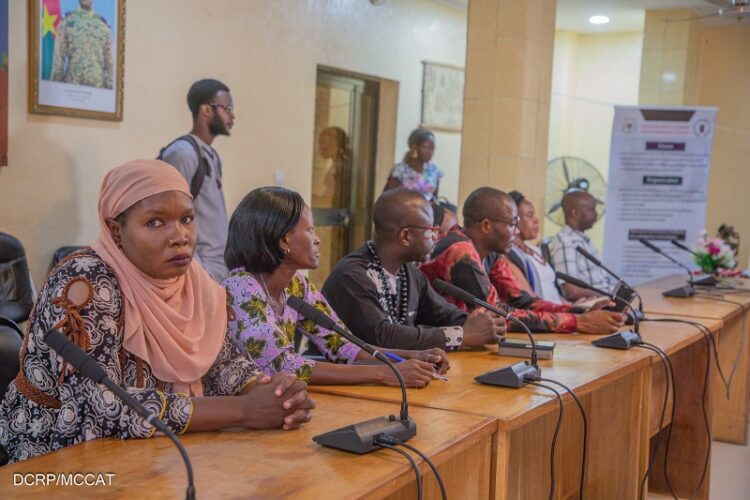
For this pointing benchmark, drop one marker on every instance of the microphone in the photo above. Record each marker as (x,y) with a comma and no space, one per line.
(707,280)
(623,290)
(597,262)
(511,376)
(619,340)
(582,284)
(362,437)
(87,367)
(680,292)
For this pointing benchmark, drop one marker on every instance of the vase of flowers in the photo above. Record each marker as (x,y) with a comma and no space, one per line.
(713,254)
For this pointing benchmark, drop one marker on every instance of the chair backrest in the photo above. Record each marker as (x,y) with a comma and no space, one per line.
(16,291)
(10,349)
(63,252)
(544,246)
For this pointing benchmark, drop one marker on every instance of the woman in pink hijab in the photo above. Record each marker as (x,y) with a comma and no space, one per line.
(148,313)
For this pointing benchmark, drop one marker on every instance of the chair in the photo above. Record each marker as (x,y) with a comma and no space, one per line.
(16,290)
(10,349)
(63,252)
(544,246)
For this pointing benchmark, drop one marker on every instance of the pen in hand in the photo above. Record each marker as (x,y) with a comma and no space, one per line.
(398,359)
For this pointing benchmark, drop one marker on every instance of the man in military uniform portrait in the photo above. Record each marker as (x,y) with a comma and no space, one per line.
(83,49)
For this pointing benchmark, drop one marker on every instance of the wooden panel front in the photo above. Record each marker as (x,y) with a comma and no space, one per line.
(274,464)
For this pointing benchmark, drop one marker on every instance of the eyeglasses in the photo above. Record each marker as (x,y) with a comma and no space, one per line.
(226,107)
(513,222)
(429,231)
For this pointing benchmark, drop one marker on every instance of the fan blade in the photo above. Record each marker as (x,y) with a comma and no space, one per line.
(555,207)
(565,170)
(598,201)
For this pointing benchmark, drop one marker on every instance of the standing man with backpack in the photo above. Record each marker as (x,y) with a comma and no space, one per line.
(213,114)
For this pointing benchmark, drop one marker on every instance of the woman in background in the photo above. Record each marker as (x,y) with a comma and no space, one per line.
(416,171)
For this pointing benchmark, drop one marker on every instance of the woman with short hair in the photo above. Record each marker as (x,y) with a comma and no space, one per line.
(271,241)
(142,307)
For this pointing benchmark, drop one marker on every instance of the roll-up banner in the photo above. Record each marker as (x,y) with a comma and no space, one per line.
(658,184)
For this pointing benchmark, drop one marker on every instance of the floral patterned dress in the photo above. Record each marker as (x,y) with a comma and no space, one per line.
(426,182)
(49,406)
(269,338)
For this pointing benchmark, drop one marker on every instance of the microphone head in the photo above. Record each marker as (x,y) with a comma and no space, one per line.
(453,291)
(650,245)
(54,339)
(586,254)
(573,281)
(74,355)
(310,312)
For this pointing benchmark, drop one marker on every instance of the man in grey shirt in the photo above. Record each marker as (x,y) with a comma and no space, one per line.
(213,114)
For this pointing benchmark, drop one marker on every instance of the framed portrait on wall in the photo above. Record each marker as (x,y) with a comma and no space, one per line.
(3,83)
(76,58)
(442,97)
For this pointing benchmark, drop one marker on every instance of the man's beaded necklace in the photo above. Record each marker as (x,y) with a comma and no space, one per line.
(395,314)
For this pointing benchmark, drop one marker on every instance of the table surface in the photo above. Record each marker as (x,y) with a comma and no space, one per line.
(579,365)
(270,463)
(697,307)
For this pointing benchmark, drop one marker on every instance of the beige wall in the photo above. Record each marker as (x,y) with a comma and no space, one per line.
(591,74)
(265,50)
(724,81)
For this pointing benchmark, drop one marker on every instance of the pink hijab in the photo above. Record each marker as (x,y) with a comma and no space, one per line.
(175,325)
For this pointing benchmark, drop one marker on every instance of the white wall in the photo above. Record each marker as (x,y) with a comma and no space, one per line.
(591,74)
(265,50)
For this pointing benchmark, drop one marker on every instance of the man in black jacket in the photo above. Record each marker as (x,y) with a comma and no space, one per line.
(383,297)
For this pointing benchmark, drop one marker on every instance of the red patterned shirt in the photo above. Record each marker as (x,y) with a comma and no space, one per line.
(455,259)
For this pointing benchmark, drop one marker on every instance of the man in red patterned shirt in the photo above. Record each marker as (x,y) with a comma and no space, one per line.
(471,258)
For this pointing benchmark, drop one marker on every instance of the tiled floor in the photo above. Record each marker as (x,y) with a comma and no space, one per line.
(730,472)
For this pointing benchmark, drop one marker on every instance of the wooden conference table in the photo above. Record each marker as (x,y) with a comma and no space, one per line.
(687,349)
(730,414)
(275,464)
(623,394)
(611,386)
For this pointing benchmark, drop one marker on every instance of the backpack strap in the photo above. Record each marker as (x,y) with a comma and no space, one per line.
(203,169)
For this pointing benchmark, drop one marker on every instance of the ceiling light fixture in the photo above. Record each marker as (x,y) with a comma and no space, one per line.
(598,19)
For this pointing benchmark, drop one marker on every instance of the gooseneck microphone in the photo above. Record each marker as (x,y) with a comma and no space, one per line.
(582,284)
(618,340)
(623,289)
(89,368)
(680,292)
(511,376)
(707,280)
(597,262)
(362,437)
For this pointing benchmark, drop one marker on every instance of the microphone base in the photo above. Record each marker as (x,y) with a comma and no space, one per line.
(513,376)
(682,292)
(619,340)
(360,438)
(707,280)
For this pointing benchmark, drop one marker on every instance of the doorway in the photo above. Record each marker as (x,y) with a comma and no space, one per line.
(344,159)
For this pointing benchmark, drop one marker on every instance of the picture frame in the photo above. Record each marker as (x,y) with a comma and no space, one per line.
(77,58)
(442,97)
(4,83)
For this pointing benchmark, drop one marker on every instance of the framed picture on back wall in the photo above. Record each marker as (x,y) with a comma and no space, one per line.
(76,56)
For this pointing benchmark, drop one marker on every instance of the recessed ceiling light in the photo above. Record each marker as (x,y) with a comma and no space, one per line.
(598,19)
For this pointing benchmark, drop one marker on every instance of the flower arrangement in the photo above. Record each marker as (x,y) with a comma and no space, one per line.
(713,254)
